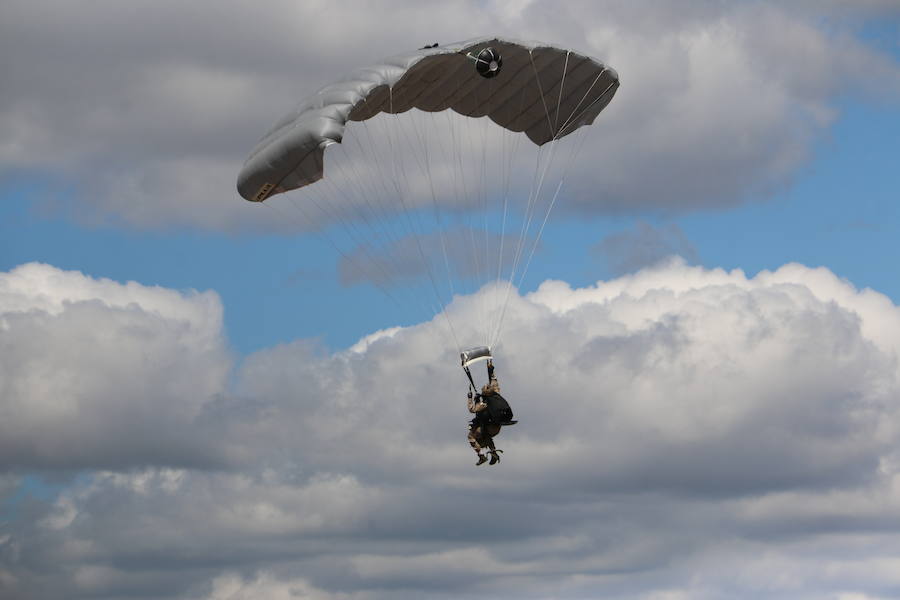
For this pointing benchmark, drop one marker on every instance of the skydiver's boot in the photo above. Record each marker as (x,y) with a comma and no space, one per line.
(495,456)
(482,459)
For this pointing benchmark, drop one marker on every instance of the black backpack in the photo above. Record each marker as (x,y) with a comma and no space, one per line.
(498,411)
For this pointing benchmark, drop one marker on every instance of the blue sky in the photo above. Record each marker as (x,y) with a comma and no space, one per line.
(837,211)
(724,425)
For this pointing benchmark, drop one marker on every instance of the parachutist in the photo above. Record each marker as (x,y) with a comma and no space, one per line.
(491,412)
(481,432)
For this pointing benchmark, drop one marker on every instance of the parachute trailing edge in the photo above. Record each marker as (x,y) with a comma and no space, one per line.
(577,87)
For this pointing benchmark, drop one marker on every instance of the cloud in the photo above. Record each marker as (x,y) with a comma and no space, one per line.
(148,111)
(684,433)
(630,251)
(265,585)
(98,373)
(464,253)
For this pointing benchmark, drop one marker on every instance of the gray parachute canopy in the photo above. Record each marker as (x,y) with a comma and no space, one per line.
(533,77)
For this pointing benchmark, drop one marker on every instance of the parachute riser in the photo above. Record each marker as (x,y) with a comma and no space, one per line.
(471,380)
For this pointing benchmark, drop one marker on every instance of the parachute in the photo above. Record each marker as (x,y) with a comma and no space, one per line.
(428,191)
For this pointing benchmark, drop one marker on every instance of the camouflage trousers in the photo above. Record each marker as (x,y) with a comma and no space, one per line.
(482,437)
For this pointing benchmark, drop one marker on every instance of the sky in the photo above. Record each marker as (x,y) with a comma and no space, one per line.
(202,400)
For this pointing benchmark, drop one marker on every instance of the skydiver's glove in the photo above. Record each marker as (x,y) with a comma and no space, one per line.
(469,395)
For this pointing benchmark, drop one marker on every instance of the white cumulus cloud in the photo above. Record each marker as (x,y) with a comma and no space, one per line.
(684,432)
(94,372)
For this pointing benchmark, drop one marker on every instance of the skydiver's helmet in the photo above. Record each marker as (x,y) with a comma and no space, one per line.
(486,389)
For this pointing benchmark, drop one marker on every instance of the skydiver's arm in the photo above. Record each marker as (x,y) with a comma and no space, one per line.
(492,380)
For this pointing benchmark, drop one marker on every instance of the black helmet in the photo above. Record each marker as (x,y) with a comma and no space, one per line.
(488,63)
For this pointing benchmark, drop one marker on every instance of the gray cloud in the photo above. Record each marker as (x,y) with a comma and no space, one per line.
(684,433)
(148,109)
(647,245)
